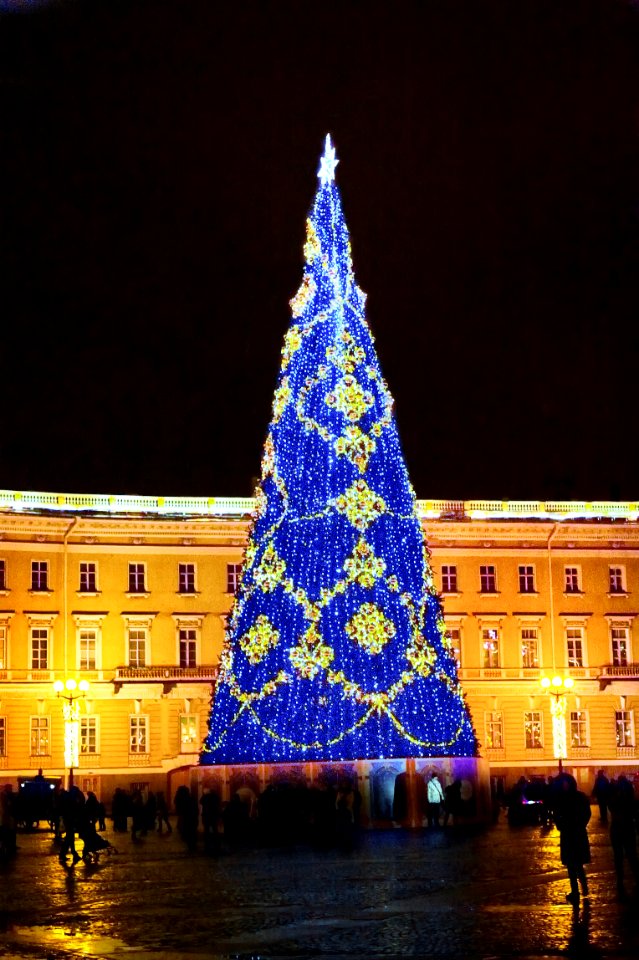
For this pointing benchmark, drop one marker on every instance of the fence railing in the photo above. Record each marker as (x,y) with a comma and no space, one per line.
(239,507)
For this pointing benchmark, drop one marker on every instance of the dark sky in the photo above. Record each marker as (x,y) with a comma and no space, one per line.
(158,160)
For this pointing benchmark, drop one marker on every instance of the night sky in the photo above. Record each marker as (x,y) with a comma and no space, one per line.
(158,161)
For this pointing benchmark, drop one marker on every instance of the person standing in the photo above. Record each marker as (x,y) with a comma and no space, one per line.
(571,813)
(623,837)
(600,793)
(435,797)
(452,801)
(162,812)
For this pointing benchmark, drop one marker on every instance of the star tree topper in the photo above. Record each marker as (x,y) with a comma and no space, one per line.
(328,162)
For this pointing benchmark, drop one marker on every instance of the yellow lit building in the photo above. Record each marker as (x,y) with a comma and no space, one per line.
(131,594)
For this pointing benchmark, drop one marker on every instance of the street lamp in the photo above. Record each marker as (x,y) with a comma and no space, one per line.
(71,691)
(558,687)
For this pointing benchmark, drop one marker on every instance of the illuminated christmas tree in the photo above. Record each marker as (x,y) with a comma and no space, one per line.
(336,647)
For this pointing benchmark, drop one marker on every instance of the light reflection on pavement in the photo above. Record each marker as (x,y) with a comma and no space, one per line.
(455,893)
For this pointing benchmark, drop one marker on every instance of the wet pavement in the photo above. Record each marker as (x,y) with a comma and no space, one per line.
(462,892)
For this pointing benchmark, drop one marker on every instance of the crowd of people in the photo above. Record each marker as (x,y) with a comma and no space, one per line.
(325,816)
(557,800)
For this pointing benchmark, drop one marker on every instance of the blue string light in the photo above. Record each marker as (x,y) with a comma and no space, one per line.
(336,647)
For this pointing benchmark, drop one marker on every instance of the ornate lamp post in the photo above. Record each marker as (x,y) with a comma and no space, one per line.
(71,691)
(558,687)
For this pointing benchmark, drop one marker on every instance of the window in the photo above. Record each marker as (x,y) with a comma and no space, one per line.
(233,574)
(494,730)
(88,578)
(137,646)
(487,579)
(578,728)
(39,736)
(189,740)
(571,580)
(490,647)
(624,727)
(88,641)
(188,646)
(527,579)
(138,734)
(532,729)
(39,574)
(3,736)
(39,648)
(186,578)
(3,575)
(454,638)
(136,578)
(620,642)
(616,580)
(449,578)
(88,734)
(529,648)
(574,646)
(3,647)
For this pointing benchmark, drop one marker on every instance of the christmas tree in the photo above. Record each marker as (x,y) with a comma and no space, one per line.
(336,647)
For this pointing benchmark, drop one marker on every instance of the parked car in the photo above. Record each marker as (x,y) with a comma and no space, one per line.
(35,801)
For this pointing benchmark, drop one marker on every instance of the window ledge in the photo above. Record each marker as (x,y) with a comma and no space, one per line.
(88,593)
(188,593)
(4,592)
(618,593)
(142,594)
(34,591)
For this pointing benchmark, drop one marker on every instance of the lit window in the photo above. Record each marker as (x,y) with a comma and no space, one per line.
(454,638)
(3,647)
(88,641)
(88,578)
(39,575)
(574,646)
(137,647)
(186,578)
(529,648)
(527,579)
(532,728)
(490,648)
(449,578)
(233,574)
(494,730)
(39,736)
(3,736)
(624,728)
(487,579)
(88,734)
(39,648)
(578,728)
(138,734)
(620,642)
(189,739)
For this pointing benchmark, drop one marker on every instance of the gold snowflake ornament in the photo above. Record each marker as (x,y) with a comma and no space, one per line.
(370,628)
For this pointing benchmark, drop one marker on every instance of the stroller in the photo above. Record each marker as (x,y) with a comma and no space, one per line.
(94,844)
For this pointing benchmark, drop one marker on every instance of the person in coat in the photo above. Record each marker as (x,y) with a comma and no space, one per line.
(435,797)
(571,813)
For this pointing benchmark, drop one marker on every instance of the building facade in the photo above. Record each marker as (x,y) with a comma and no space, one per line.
(131,595)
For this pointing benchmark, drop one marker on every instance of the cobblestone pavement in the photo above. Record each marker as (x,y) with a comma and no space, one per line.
(456,893)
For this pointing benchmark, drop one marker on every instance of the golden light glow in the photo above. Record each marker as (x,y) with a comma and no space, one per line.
(558,687)
(71,692)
